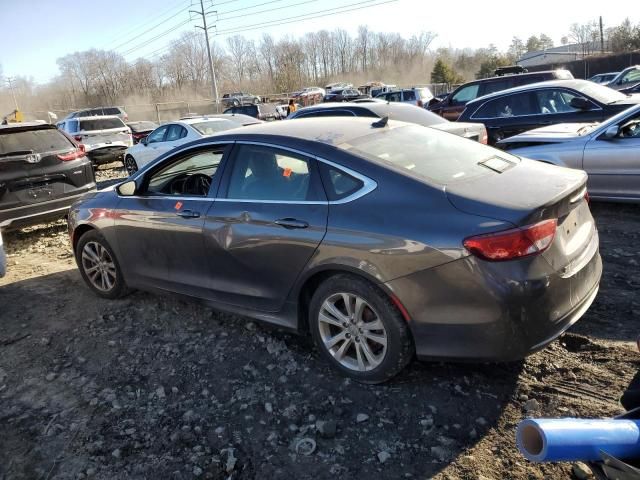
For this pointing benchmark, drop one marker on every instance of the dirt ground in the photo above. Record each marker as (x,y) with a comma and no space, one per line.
(155,387)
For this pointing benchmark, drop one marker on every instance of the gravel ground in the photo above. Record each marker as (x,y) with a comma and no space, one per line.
(154,387)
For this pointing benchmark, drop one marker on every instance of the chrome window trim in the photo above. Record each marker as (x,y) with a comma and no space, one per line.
(473,117)
(369,185)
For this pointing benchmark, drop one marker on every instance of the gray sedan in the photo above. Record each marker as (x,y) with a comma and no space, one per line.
(609,152)
(383,240)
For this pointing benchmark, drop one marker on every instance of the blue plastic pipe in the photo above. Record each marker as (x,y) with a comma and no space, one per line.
(573,439)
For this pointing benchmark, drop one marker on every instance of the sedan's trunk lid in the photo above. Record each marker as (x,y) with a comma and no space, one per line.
(527,193)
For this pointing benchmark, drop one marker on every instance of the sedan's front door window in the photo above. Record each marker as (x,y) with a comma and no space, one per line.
(190,176)
(266,173)
(157,135)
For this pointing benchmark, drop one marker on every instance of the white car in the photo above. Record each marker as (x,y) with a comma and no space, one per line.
(171,135)
(105,137)
(3,259)
(312,91)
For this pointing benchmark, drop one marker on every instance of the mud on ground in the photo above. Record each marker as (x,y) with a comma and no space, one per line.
(155,387)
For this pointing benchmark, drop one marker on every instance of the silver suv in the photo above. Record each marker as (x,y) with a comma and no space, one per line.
(105,138)
(100,111)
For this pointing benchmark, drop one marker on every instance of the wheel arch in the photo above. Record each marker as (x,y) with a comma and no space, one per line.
(311,281)
(78,232)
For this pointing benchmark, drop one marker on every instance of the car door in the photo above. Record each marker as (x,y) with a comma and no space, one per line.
(455,104)
(174,138)
(149,150)
(613,164)
(159,228)
(554,105)
(267,222)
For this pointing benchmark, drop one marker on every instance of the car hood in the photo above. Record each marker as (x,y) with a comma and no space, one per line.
(561,132)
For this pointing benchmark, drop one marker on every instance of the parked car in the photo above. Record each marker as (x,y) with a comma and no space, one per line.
(609,152)
(383,89)
(263,111)
(239,98)
(172,135)
(312,91)
(42,172)
(344,95)
(420,96)
(517,110)
(396,111)
(99,111)
(302,230)
(627,78)
(239,118)
(452,106)
(139,130)
(3,258)
(604,78)
(105,138)
(337,86)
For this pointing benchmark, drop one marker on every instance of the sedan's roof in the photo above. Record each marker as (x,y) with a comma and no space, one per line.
(394,110)
(327,130)
(575,84)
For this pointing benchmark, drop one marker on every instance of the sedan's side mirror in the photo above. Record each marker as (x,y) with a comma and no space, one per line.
(127,189)
(144,141)
(611,132)
(580,103)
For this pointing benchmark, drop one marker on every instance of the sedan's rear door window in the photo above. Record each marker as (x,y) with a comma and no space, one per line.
(266,173)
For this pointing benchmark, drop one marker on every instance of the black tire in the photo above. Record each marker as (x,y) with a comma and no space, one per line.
(399,344)
(119,286)
(130,164)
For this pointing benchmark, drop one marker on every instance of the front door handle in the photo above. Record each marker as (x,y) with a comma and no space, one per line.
(188,214)
(290,223)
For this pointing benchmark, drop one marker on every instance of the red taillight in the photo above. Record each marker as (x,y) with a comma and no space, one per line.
(77,138)
(420,104)
(484,138)
(77,153)
(514,243)
(586,196)
(126,117)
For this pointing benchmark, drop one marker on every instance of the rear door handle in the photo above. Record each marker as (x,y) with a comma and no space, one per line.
(188,214)
(290,223)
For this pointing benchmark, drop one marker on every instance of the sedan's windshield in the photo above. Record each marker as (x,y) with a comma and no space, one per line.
(439,157)
(600,93)
(211,127)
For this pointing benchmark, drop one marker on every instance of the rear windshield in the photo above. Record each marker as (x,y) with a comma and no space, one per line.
(429,154)
(100,124)
(209,128)
(37,141)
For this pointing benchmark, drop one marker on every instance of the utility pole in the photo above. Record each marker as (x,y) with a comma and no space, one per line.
(13,93)
(601,36)
(212,71)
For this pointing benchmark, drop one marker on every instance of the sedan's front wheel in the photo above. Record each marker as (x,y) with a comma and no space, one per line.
(98,266)
(359,330)
(130,164)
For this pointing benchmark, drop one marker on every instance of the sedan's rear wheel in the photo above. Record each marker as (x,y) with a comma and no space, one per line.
(130,164)
(359,330)
(98,266)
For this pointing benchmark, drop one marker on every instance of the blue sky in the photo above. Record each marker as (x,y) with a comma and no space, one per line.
(45,30)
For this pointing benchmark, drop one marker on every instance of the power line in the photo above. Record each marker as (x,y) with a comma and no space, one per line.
(317,14)
(267,10)
(148,30)
(153,39)
(144,24)
(250,7)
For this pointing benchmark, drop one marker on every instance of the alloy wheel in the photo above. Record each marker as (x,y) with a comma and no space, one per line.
(99,266)
(352,331)
(130,165)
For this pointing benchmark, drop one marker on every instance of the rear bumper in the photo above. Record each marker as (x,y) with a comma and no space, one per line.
(473,310)
(106,154)
(37,212)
